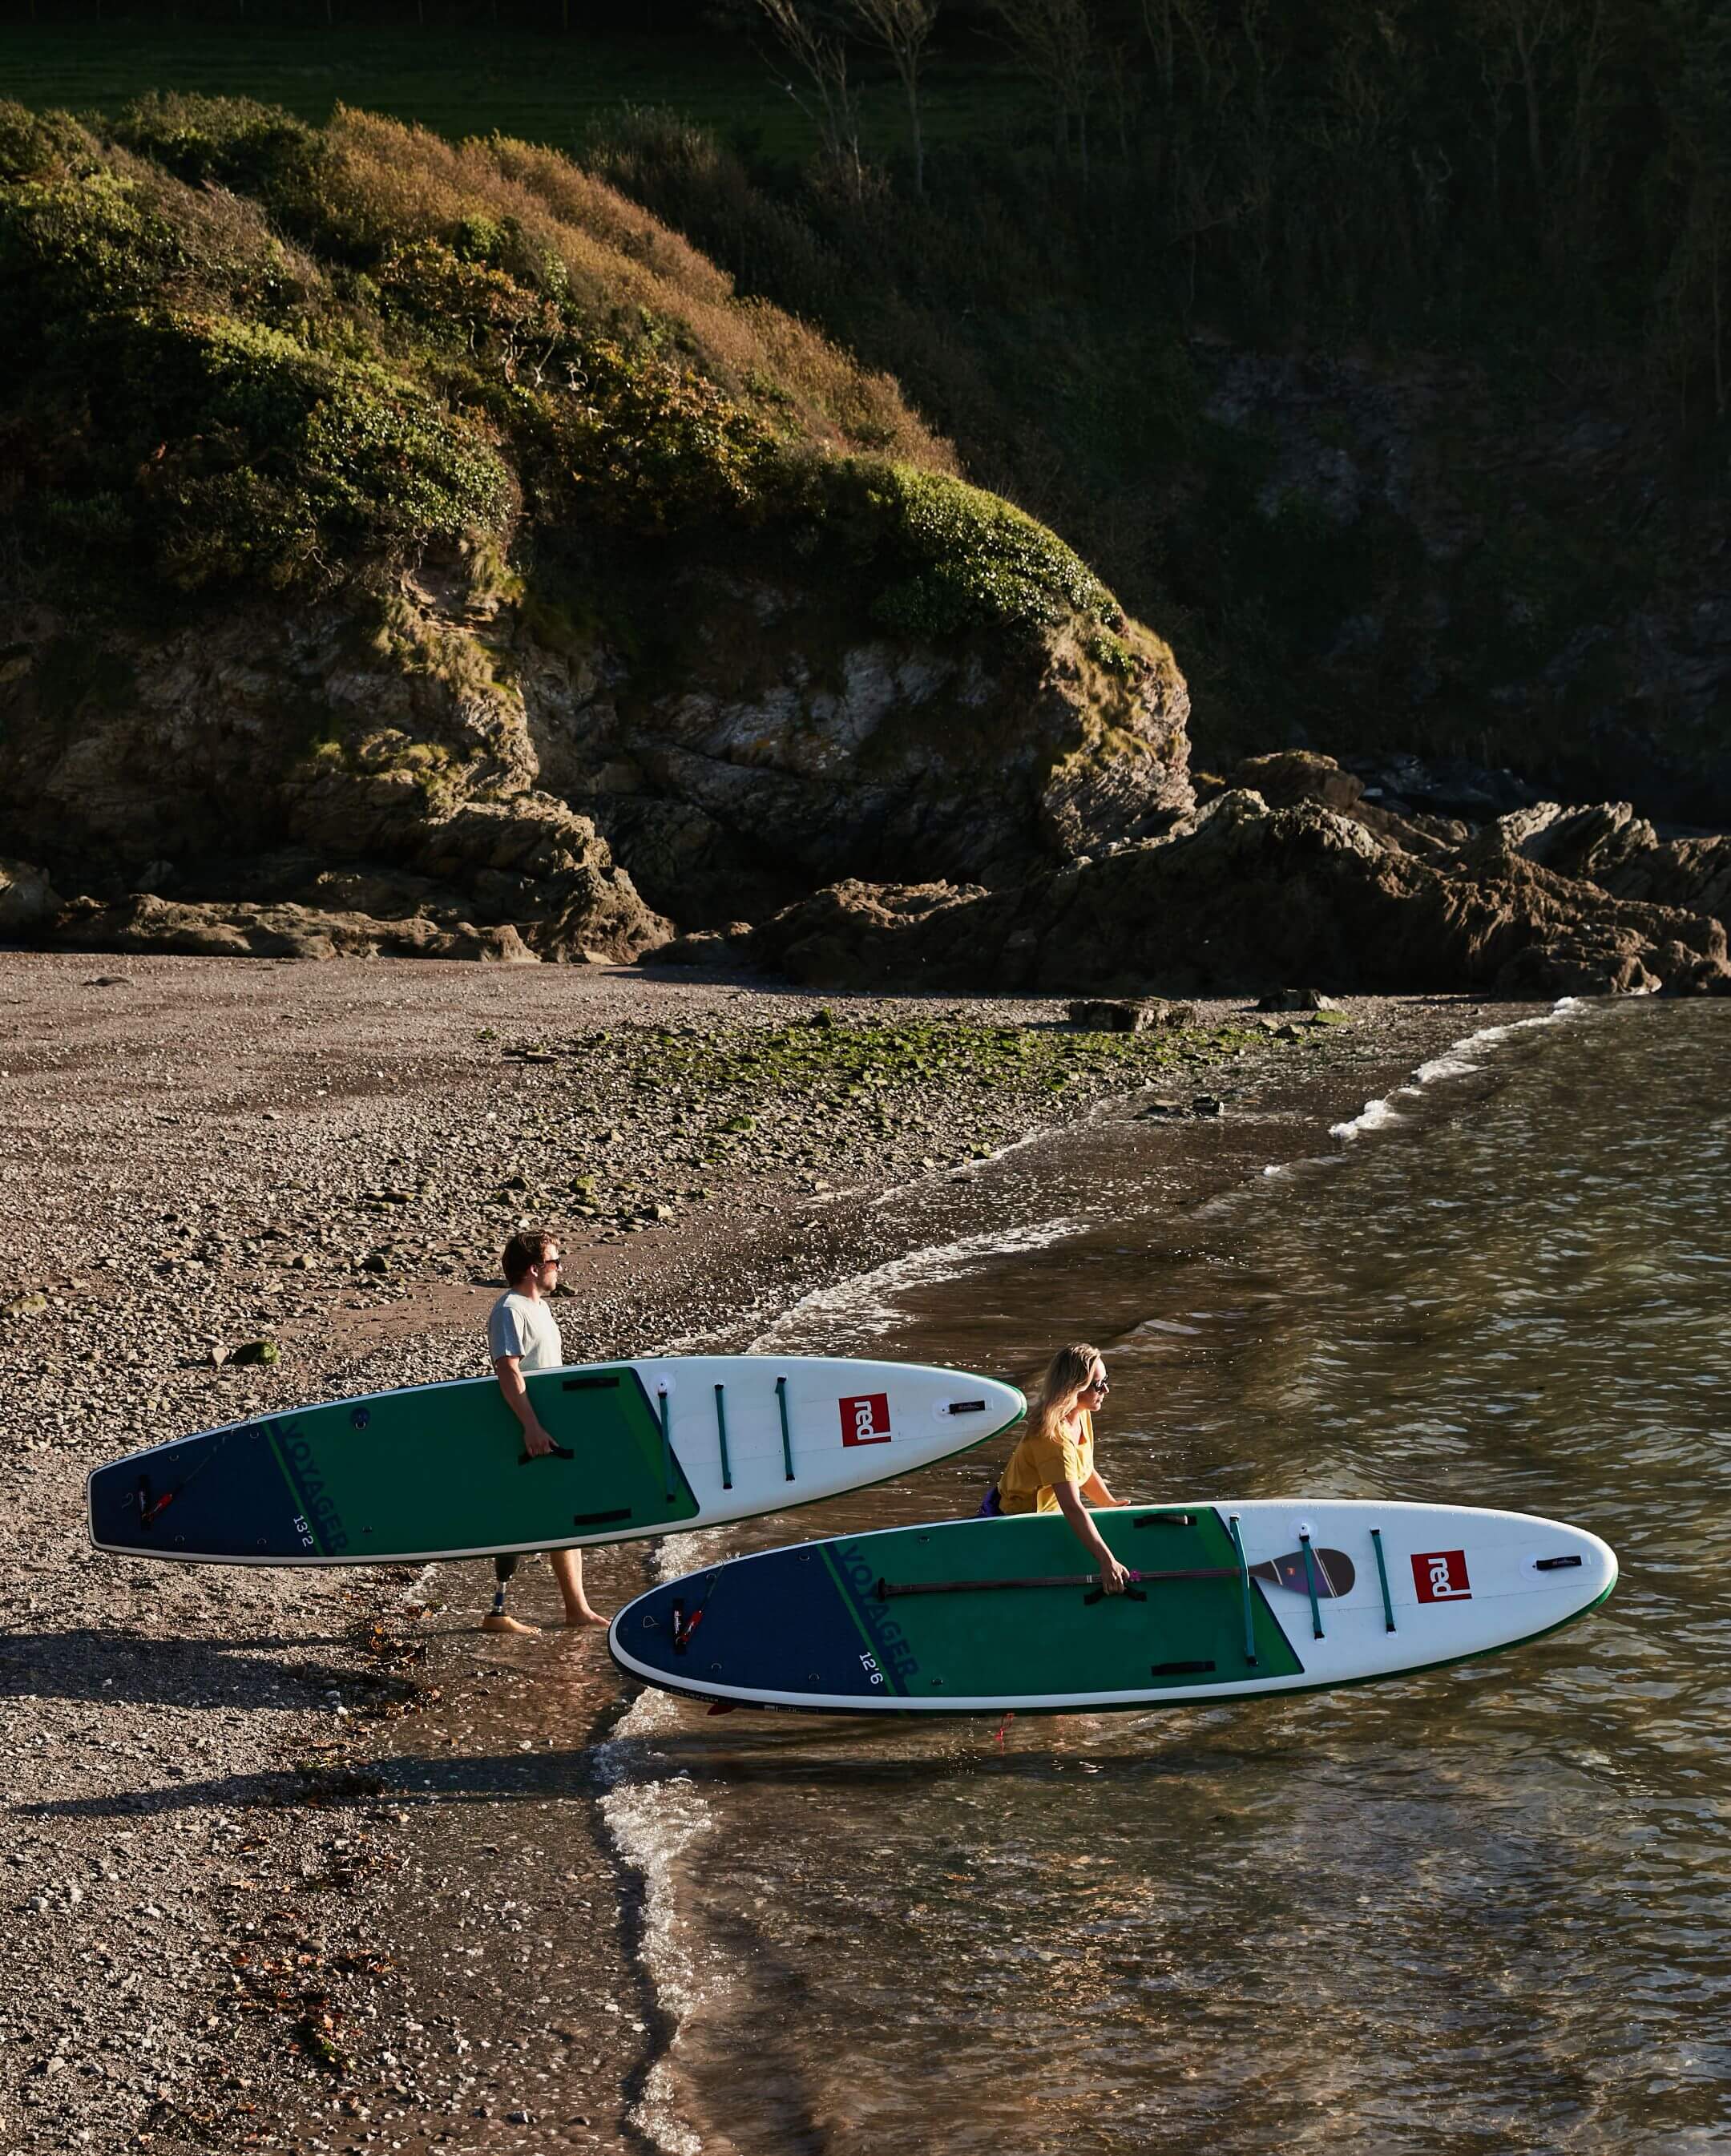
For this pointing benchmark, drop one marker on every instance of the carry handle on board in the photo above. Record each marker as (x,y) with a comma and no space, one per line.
(553,1452)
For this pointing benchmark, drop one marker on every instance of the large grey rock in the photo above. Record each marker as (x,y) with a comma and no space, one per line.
(1609,843)
(240,930)
(27,897)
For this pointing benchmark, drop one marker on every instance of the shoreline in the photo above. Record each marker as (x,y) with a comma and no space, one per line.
(228,1837)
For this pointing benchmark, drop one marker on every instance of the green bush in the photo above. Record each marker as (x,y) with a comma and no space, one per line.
(286,461)
(79,248)
(47,145)
(949,558)
(252,149)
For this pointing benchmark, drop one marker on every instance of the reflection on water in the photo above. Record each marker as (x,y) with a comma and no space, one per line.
(1484,1909)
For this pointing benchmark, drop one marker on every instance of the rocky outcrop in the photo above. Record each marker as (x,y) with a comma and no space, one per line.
(148,923)
(386,787)
(789,754)
(1248,895)
(455,764)
(1610,845)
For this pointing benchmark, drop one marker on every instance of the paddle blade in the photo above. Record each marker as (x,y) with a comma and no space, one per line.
(1334,1572)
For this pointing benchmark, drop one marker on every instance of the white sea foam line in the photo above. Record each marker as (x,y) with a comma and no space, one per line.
(1451,1066)
(674,1555)
(653,1818)
(955,1173)
(1373,1116)
(1455,1062)
(867,1300)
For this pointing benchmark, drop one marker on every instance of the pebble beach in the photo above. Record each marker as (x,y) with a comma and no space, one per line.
(232,1187)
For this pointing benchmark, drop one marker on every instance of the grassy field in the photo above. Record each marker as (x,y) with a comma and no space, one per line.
(552,90)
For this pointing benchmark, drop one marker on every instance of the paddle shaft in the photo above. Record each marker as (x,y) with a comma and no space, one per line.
(887,1589)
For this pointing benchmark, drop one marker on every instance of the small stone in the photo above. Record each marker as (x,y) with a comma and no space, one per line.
(27,1306)
(1206,1104)
(256,1351)
(376,1262)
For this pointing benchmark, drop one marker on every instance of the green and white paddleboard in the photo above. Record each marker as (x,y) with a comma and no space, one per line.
(983,1616)
(439,1470)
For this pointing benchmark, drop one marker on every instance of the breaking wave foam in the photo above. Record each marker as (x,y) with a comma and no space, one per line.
(868,1303)
(654,1815)
(1460,1062)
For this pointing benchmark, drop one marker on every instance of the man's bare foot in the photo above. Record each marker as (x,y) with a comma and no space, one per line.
(495,1620)
(584,1616)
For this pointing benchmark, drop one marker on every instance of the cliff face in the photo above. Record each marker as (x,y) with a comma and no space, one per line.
(453,764)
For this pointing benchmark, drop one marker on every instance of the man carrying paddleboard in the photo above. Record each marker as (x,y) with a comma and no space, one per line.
(523,1335)
(1052,1469)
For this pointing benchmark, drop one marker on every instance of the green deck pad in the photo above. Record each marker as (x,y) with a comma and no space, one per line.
(417,1473)
(442,1468)
(1053,1642)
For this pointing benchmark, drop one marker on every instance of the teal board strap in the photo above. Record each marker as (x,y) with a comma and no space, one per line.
(666,1448)
(1382,1573)
(787,1442)
(1244,1581)
(721,1431)
(1310,1581)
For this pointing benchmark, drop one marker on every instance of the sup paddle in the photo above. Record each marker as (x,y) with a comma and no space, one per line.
(1334,1569)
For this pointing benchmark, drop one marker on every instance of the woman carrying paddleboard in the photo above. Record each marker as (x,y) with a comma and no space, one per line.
(1052,1470)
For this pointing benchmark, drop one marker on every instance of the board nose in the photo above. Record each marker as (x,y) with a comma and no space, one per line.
(1574,1559)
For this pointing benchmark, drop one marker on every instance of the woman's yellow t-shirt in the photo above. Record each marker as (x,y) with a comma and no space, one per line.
(1028,1484)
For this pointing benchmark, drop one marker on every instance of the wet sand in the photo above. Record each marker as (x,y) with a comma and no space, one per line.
(254,1899)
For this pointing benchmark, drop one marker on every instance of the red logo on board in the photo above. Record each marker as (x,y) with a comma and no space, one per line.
(866,1419)
(1440,1576)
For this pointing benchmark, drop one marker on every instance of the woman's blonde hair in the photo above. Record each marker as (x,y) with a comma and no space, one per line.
(1066,1375)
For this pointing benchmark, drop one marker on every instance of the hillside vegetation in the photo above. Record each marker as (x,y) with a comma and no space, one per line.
(242,353)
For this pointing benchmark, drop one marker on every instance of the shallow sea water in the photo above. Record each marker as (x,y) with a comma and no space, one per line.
(1485,1908)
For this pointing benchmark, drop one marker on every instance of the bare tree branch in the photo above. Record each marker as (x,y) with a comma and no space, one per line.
(902,28)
